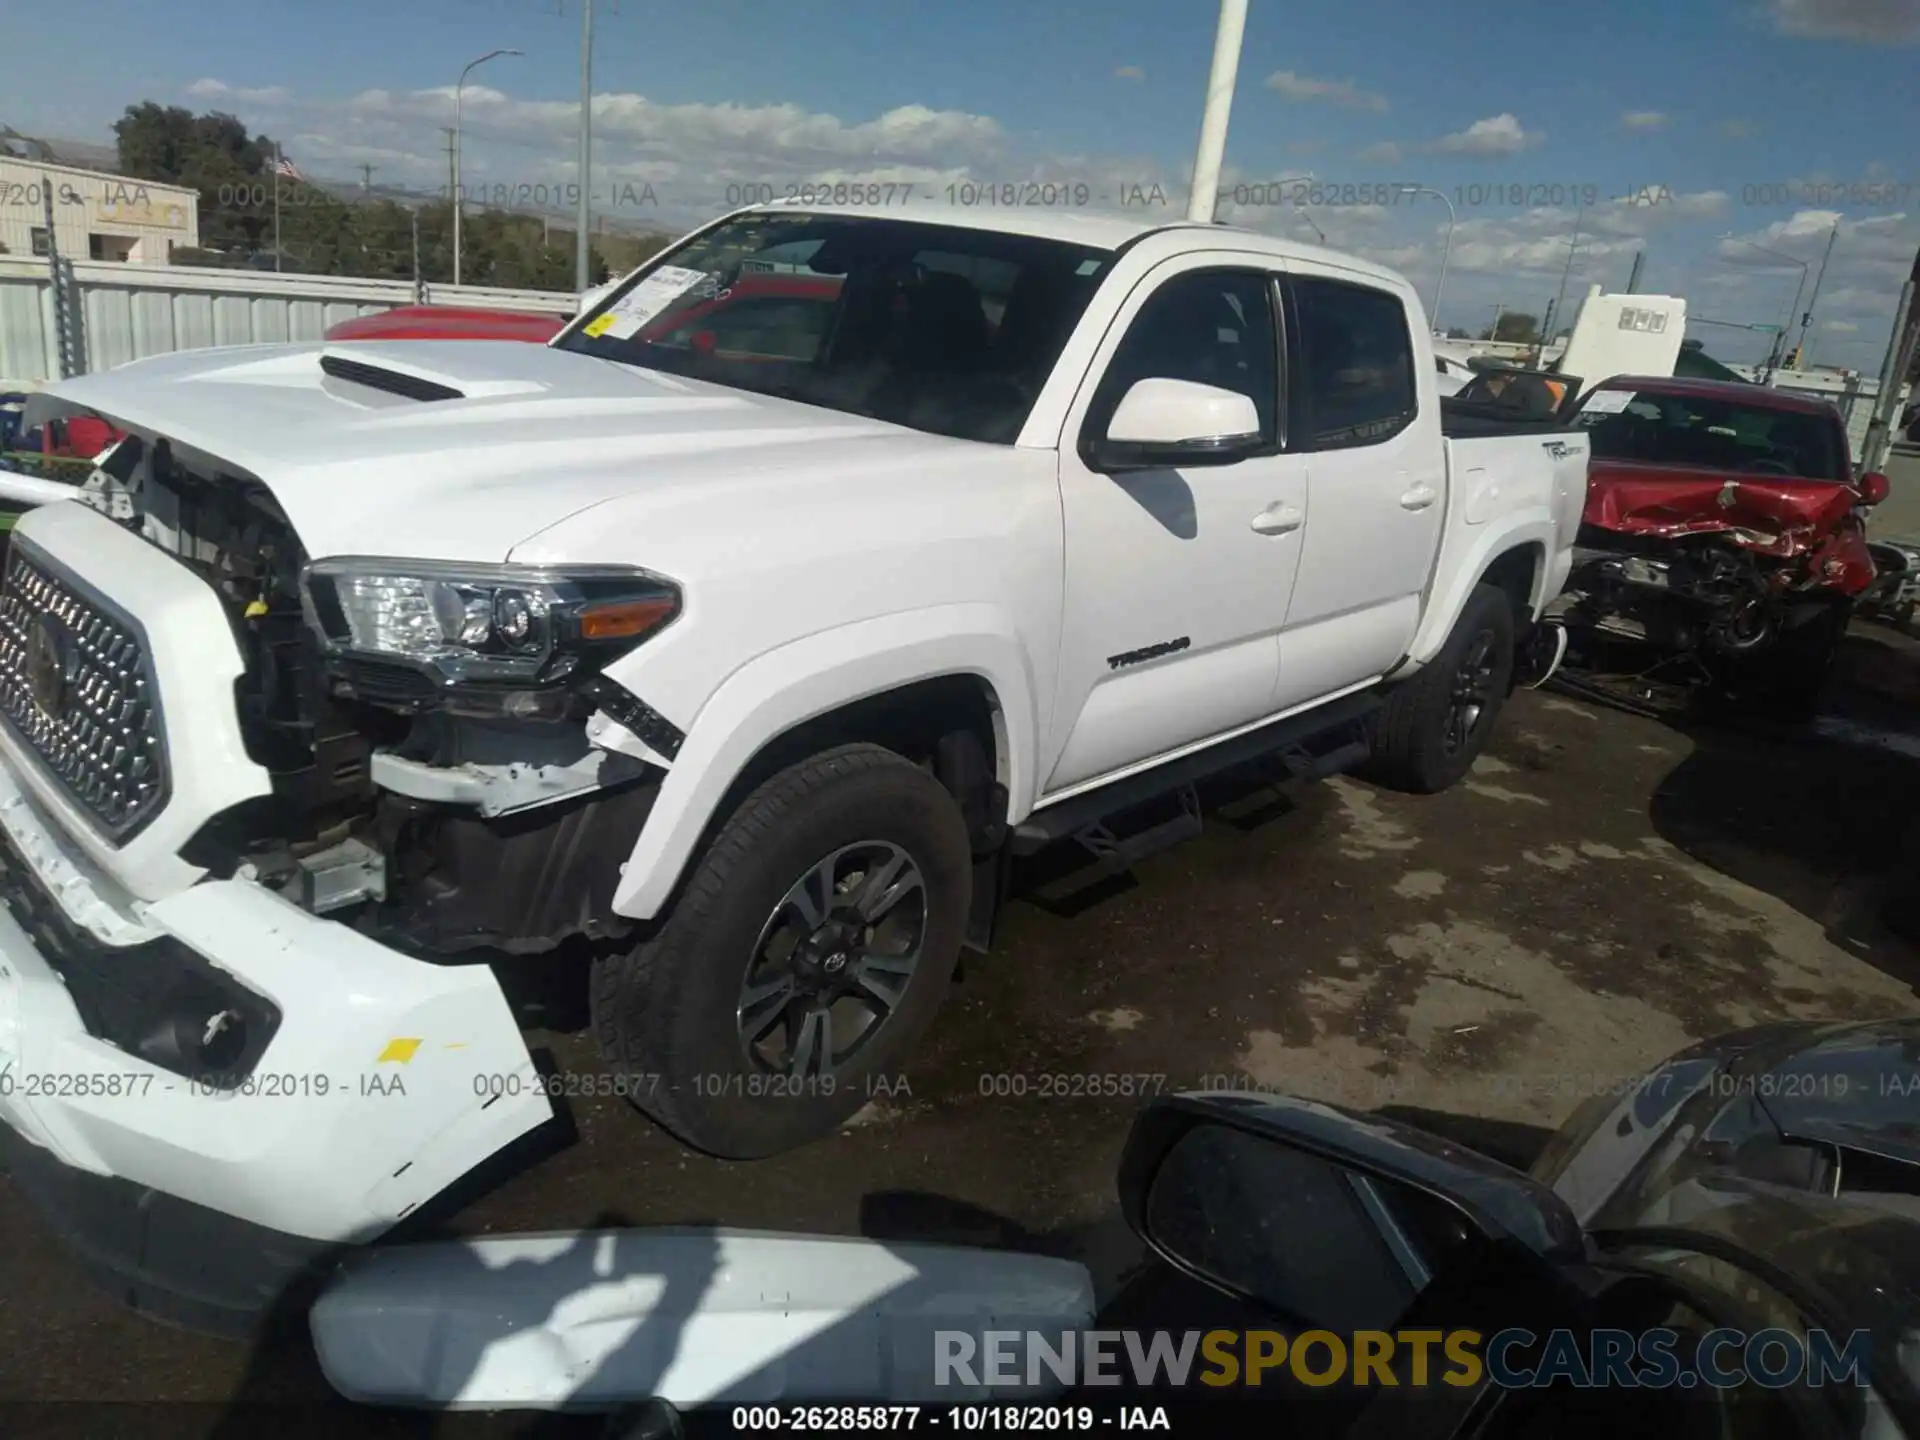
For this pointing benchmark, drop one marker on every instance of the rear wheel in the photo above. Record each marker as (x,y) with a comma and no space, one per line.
(1436,724)
(803,962)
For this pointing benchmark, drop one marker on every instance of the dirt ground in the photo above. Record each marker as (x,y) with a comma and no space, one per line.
(1604,889)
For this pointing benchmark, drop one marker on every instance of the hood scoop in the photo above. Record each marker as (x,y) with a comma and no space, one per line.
(393,382)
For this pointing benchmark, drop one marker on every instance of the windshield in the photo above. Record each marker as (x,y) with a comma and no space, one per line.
(1714,433)
(939,328)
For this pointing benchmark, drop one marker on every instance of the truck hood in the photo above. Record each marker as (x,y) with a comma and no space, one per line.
(449,449)
(1775,515)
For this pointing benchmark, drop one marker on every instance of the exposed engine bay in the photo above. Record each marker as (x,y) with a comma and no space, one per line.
(1723,529)
(1703,595)
(435,818)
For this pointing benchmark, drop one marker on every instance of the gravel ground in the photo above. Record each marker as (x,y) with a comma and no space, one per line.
(1605,888)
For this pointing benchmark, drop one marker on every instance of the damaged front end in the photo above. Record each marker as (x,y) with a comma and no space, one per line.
(1717,569)
(251,809)
(424,724)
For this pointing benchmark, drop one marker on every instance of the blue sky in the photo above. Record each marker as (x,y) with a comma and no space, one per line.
(1771,120)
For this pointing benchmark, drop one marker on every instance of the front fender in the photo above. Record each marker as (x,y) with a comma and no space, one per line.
(806,679)
(1464,561)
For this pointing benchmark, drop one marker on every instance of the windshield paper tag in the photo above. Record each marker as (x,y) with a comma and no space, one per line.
(644,301)
(1607,402)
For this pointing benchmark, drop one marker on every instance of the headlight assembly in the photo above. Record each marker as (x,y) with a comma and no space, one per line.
(494,625)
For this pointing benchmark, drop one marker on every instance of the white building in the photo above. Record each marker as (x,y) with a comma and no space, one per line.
(96,216)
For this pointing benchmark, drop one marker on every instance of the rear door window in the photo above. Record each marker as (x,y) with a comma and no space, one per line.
(1355,381)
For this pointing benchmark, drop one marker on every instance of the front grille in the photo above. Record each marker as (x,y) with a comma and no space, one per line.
(77,687)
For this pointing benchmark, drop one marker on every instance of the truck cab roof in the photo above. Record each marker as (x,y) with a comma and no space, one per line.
(1085,227)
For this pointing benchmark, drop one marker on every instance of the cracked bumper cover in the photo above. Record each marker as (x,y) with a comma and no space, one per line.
(384,1079)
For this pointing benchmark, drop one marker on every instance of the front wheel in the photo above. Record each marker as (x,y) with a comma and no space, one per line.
(1436,723)
(803,961)
(1787,677)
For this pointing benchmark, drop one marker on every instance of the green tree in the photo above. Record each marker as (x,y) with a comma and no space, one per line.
(211,153)
(1514,327)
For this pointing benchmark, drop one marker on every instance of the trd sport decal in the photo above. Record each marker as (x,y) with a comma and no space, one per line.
(1152,652)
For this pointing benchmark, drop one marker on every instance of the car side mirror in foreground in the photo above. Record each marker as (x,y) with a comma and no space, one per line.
(1334,1220)
(1165,424)
(1874,488)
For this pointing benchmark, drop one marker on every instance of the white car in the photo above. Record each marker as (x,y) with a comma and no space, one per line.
(735,638)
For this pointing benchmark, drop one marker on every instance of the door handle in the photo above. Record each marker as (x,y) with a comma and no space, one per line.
(1419,497)
(1279,518)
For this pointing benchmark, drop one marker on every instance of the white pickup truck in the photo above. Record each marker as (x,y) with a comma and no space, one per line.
(738,637)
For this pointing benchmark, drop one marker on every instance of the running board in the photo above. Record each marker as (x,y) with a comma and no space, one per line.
(1324,741)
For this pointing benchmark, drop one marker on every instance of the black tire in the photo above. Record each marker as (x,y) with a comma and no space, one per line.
(1786,678)
(1421,746)
(669,1013)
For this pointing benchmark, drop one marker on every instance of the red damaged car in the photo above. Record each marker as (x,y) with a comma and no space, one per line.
(450,322)
(1723,524)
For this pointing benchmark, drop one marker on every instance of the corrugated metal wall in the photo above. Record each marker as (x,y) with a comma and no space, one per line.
(132,312)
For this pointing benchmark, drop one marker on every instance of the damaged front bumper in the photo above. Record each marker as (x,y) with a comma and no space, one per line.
(207,1091)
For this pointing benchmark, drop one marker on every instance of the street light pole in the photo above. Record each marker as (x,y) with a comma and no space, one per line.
(459,199)
(1819,279)
(582,251)
(1446,254)
(1213,119)
(1776,353)
(1573,249)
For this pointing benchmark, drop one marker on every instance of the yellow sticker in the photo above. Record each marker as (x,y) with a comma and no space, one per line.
(398,1050)
(599,325)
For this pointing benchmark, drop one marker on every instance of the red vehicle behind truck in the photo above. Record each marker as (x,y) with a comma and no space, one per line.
(1723,525)
(450,322)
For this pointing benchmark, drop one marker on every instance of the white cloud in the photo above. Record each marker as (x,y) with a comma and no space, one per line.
(1840,327)
(210,89)
(1500,134)
(1644,119)
(1385,153)
(1129,72)
(1333,92)
(1876,22)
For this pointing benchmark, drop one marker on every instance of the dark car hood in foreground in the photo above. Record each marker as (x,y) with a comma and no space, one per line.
(1779,1088)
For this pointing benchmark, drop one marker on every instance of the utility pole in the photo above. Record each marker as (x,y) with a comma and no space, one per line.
(582,249)
(1212,151)
(452,182)
(419,289)
(366,179)
(278,159)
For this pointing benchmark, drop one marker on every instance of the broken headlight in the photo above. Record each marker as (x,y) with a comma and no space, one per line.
(511,625)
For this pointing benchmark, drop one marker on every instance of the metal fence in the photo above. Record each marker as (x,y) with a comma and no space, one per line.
(124,312)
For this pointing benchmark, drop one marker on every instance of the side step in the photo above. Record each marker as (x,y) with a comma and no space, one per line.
(1324,741)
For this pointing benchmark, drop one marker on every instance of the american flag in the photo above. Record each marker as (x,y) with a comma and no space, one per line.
(284,166)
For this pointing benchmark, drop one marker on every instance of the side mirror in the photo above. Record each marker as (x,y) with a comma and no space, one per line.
(1874,488)
(1168,424)
(1331,1219)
